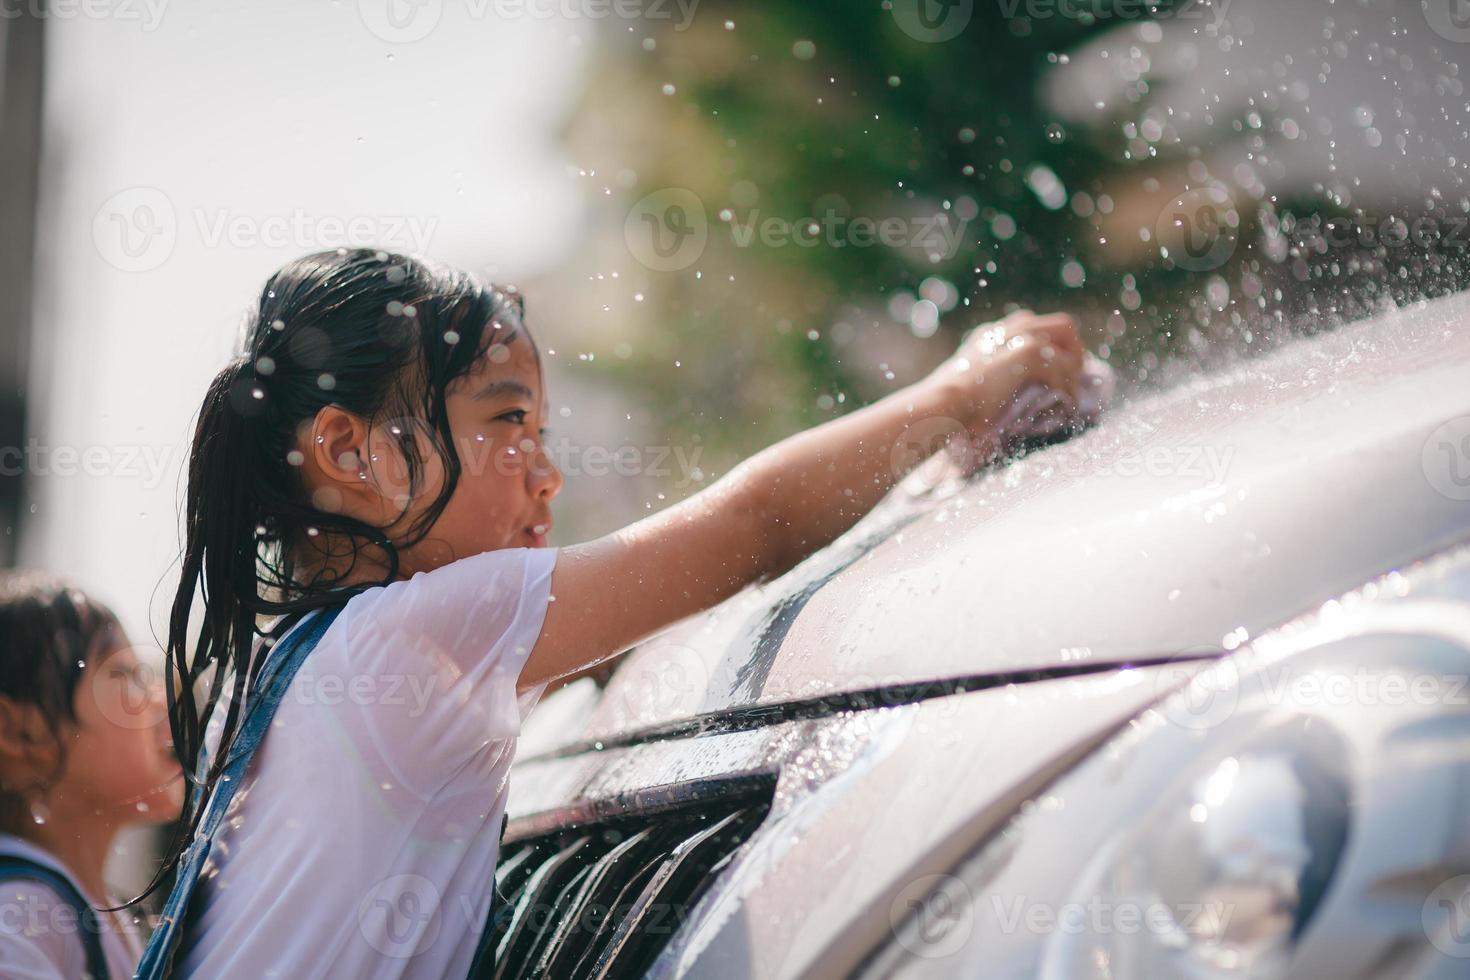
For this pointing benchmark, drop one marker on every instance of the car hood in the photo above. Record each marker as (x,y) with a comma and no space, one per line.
(1187,521)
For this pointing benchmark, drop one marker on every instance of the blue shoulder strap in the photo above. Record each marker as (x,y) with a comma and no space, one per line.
(266,693)
(88,926)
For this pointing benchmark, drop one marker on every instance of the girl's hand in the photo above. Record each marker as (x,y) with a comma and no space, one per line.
(787,501)
(995,361)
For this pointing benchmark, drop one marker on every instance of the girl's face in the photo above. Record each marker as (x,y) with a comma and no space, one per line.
(507,480)
(119,758)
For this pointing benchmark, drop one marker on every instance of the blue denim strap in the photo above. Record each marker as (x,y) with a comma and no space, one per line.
(266,693)
(89,927)
(484,962)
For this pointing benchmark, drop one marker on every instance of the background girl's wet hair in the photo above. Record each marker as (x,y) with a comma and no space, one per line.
(50,633)
(381,335)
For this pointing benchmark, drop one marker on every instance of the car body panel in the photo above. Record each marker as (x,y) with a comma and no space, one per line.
(1293,477)
(870,806)
(1380,671)
(851,791)
(1331,498)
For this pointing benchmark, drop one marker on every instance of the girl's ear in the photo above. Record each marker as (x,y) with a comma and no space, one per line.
(334,468)
(25,738)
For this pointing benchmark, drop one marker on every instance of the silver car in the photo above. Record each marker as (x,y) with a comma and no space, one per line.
(1183,696)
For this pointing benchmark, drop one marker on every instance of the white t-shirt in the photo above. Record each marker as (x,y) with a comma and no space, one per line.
(363,840)
(39,933)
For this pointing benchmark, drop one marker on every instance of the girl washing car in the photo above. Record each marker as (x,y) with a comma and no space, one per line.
(370,471)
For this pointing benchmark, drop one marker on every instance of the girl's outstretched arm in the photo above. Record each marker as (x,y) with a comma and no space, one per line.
(782,504)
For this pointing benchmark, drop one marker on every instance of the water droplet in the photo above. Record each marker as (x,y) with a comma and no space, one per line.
(924,319)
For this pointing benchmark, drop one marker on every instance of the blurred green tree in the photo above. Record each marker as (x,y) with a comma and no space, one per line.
(797,135)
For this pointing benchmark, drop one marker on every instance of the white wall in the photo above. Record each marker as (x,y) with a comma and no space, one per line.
(275,116)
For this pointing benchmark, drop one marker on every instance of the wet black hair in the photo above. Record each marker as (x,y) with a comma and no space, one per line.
(379,334)
(50,632)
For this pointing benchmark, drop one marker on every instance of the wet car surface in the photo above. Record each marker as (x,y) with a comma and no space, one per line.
(1074,554)
(941,671)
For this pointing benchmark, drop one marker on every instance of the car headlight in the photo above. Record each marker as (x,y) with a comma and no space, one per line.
(1281,795)
(1221,873)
